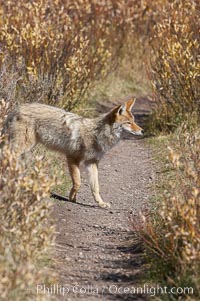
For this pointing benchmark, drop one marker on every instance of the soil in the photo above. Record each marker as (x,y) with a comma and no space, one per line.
(97,253)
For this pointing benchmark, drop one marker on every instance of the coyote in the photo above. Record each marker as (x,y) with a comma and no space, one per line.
(80,139)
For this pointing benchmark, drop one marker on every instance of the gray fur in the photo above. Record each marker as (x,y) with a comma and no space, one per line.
(80,139)
(84,138)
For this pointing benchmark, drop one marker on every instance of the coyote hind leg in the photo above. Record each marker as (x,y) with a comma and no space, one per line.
(76,178)
(23,139)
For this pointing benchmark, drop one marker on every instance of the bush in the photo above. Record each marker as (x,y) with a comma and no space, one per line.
(58,48)
(175,65)
(171,233)
(171,237)
(26,232)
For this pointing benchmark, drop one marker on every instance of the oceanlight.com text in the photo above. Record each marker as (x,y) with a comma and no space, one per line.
(57,289)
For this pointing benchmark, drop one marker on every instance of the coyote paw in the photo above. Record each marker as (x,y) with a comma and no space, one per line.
(104,205)
(72,199)
(72,195)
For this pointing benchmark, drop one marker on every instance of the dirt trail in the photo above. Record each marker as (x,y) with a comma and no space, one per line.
(94,257)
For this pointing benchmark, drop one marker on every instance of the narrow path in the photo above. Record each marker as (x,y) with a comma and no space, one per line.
(94,257)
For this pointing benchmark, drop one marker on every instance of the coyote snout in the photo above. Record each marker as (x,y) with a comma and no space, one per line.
(133,128)
(79,139)
(138,132)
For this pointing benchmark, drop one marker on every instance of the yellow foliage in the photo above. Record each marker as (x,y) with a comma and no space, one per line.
(25,226)
(171,236)
(63,45)
(175,64)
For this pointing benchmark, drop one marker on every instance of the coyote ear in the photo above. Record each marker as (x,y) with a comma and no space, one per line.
(112,115)
(121,109)
(130,104)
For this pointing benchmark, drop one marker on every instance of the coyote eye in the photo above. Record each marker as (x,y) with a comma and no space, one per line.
(127,122)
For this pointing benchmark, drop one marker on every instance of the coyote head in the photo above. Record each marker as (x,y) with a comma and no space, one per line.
(124,118)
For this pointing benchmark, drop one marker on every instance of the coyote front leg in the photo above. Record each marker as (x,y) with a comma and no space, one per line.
(94,184)
(76,178)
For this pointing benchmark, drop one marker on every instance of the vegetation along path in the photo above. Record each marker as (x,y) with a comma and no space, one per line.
(96,256)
